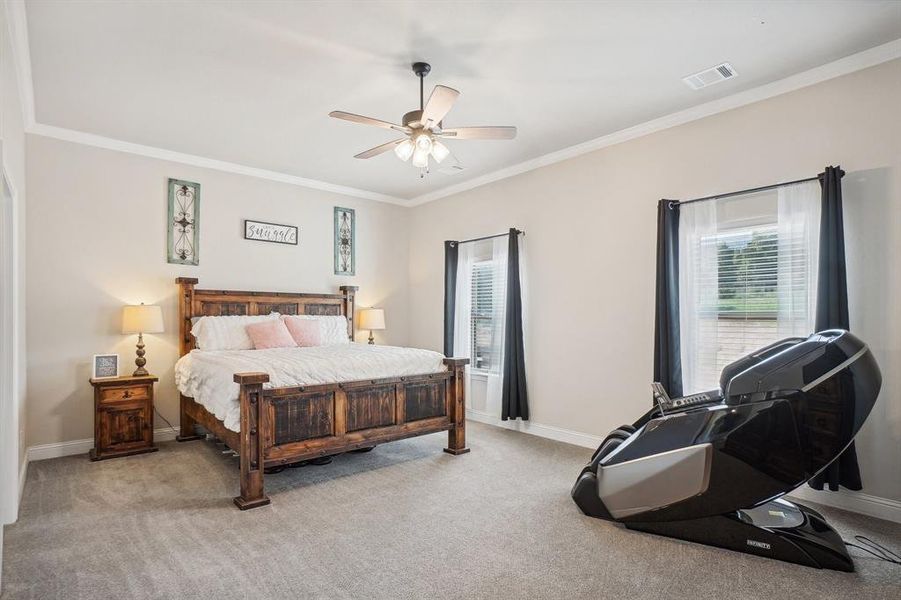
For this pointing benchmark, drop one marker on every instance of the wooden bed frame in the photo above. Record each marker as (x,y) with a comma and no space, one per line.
(286,425)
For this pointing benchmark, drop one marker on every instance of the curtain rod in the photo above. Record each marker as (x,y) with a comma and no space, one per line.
(489,237)
(748,191)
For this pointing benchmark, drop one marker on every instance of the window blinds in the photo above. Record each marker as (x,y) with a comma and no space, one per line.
(488,289)
(750,289)
(745,286)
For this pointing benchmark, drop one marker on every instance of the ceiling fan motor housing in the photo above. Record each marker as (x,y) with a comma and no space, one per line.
(413,119)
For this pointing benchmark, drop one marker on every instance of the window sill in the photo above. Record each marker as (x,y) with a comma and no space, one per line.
(481,375)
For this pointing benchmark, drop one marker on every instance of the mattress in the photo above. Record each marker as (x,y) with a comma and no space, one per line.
(208,377)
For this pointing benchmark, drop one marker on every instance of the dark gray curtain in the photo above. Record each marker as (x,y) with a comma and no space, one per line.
(450,295)
(514,396)
(832,309)
(667,358)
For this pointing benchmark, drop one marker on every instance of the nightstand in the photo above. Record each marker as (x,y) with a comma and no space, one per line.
(123,416)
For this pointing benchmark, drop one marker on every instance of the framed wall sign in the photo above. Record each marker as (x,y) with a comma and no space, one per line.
(184,222)
(345,242)
(270,232)
(105,366)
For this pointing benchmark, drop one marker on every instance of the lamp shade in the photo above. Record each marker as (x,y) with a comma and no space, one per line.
(372,318)
(142,318)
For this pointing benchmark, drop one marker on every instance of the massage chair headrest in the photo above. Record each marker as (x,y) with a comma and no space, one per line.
(788,365)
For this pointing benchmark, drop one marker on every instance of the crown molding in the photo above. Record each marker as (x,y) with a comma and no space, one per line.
(18,26)
(89,139)
(855,62)
(17,23)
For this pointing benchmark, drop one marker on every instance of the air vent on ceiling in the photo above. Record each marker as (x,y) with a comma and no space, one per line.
(710,76)
(452,169)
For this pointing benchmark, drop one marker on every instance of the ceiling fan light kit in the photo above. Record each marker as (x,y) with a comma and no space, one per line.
(423,127)
(420,159)
(439,151)
(424,142)
(404,150)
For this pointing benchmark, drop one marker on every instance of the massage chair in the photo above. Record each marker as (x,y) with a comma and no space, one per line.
(712,467)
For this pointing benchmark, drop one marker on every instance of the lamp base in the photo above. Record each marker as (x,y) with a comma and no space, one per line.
(371,339)
(140,361)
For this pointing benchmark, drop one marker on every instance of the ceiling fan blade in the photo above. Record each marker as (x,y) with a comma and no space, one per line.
(340,114)
(479,133)
(379,149)
(439,104)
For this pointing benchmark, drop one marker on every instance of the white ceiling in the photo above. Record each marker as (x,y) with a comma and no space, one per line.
(253,82)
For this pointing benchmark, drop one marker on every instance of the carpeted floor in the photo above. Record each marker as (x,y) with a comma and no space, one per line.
(404,521)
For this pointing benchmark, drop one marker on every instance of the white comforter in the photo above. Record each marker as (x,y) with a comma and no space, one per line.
(208,376)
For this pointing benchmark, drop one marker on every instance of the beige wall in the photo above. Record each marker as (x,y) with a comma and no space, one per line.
(12,150)
(97,240)
(590,238)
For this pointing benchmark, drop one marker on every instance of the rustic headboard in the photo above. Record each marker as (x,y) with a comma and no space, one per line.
(202,303)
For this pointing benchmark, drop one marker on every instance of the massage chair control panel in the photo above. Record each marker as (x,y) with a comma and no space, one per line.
(695,399)
(667,404)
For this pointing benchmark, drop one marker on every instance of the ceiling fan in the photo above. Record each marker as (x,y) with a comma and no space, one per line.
(424,129)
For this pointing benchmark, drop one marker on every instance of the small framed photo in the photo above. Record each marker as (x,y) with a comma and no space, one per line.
(106,366)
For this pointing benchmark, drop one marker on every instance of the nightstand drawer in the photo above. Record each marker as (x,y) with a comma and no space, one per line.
(125,394)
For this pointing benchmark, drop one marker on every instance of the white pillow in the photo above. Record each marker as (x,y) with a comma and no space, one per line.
(332,329)
(226,333)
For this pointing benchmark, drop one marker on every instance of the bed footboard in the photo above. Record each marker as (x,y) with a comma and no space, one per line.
(285,425)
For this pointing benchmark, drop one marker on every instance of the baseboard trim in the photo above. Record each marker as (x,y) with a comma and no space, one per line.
(23,473)
(73,447)
(864,504)
(546,431)
(858,502)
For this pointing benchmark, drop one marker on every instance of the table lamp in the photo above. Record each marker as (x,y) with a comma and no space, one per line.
(141,319)
(372,319)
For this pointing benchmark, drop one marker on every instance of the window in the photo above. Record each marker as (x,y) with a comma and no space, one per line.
(747,277)
(488,286)
(743,317)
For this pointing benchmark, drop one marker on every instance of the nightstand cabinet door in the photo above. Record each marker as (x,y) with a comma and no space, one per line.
(125,426)
(123,416)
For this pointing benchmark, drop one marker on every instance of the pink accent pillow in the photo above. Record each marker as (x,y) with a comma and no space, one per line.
(304,331)
(270,334)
